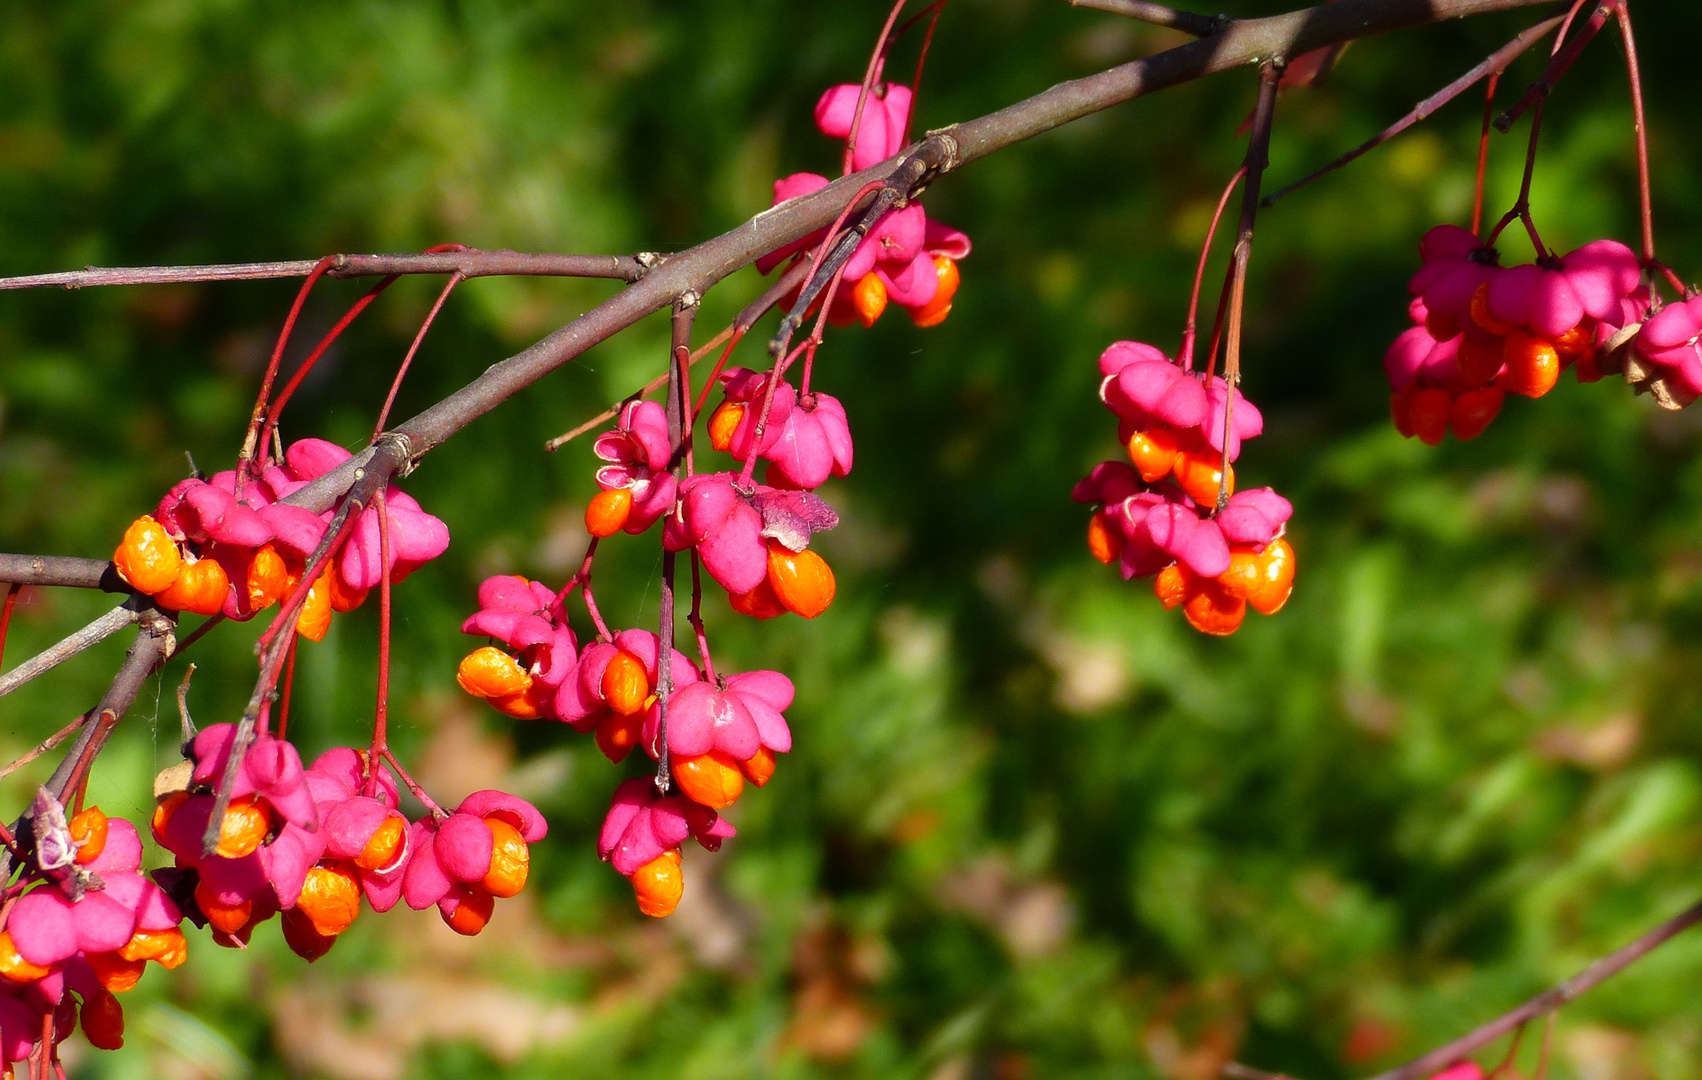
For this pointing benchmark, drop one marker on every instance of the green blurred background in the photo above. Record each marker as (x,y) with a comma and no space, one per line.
(1034,826)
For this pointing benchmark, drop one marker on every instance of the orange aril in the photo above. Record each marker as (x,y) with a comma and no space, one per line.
(759,603)
(1200,472)
(1474,409)
(473,913)
(658,884)
(116,973)
(724,423)
(244,827)
(510,859)
(315,616)
(103,1021)
(384,845)
(1152,453)
(1431,410)
(617,734)
(802,580)
(1478,362)
(935,311)
(267,578)
(1171,585)
(711,779)
(330,897)
(162,813)
(1102,540)
(230,918)
(526,705)
(868,296)
(1400,411)
(343,598)
(759,767)
(1574,342)
(1533,365)
(1242,577)
(606,513)
(89,830)
(303,938)
(167,948)
(201,587)
(1210,610)
(13,965)
(147,558)
(1276,577)
(626,685)
(1480,315)
(488,672)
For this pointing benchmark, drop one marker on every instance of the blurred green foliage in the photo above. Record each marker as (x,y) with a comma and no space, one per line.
(1034,825)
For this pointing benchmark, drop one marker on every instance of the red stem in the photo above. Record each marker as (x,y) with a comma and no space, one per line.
(1483,153)
(381,712)
(916,83)
(251,445)
(715,372)
(284,699)
(1185,356)
(696,617)
(306,366)
(431,316)
(6,616)
(412,784)
(1623,12)
(876,60)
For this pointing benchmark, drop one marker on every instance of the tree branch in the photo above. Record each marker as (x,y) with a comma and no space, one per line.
(470,262)
(46,660)
(1548,1000)
(1186,21)
(65,570)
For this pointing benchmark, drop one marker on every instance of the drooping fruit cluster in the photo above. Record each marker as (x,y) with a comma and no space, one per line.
(906,259)
(717,731)
(83,934)
(309,843)
(1482,330)
(219,547)
(1164,514)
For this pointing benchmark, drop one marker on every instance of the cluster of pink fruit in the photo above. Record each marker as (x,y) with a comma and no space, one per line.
(227,546)
(1481,330)
(716,730)
(1171,511)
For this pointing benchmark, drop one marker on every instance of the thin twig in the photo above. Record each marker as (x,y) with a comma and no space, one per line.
(61,570)
(1186,21)
(469,262)
(49,743)
(749,317)
(1644,201)
(1258,156)
(1548,1000)
(408,360)
(679,438)
(92,634)
(1492,66)
(1557,66)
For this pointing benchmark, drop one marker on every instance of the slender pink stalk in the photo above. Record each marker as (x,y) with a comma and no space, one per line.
(412,784)
(381,712)
(715,372)
(12,592)
(696,616)
(250,444)
(431,316)
(1645,205)
(877,60)
(933,10)
(1483,153)
(1185,355)
(284,698)
(307,365)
